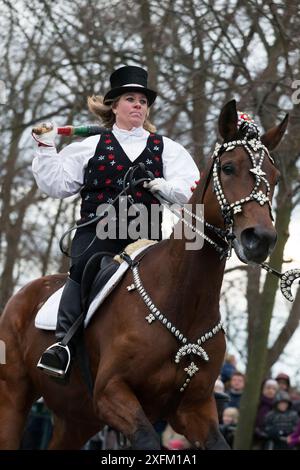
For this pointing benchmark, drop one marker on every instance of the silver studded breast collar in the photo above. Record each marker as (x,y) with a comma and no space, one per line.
(187,348)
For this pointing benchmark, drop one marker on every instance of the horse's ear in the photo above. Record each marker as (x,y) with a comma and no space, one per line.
(228,120)
(272,137)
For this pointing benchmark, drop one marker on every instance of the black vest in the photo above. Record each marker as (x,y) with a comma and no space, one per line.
(103,177)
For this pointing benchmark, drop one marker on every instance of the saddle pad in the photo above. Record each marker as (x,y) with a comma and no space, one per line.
(46,317)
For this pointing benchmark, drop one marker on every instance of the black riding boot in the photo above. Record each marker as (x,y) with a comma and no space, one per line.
(56,359)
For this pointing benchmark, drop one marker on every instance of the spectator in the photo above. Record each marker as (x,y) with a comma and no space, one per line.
(220,397)
(280,422)
(229,367)
(267,399)
(228,428)
(236,388)
(269,390)
(283,381)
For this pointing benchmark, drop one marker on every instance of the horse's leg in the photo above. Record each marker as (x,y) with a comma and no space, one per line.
(199,424)
(70,435)
(15,403)
(117,406)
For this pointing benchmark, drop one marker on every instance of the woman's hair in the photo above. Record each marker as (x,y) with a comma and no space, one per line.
(105,114)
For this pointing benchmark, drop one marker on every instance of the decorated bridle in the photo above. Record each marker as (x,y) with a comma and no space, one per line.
(257,152)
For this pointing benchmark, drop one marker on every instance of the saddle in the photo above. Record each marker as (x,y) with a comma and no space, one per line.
(98,270)
(101,267)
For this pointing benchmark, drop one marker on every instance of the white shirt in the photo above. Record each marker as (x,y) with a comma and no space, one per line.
(62,174)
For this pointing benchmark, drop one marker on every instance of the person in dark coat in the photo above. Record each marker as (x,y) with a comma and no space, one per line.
(280,422)
(236,388)
(228,368)
(266,403)
(267,399)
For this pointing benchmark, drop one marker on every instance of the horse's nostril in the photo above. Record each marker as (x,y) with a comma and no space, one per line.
(258,242)
(249,239)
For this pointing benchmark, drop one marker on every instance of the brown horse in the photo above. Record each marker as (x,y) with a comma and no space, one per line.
(136,379)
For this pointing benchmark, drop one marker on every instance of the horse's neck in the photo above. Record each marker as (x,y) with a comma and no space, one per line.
(201,266)
(193,278)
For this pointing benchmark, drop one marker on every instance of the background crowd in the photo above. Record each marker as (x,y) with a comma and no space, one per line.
(277,425)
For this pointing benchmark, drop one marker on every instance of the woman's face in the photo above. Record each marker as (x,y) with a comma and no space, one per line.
(131,110)
(269,391)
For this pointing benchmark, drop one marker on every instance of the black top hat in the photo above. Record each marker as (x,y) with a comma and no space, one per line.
(127,79)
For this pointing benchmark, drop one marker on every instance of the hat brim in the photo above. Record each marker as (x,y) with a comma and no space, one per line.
(116,92)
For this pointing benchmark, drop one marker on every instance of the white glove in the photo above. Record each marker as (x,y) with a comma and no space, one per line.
(159,185)
(45,133)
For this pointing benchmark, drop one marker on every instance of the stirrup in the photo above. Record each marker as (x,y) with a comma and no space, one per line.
(53,371)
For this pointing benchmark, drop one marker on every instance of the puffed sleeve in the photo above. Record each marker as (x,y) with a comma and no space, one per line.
(61,174)
(180,171)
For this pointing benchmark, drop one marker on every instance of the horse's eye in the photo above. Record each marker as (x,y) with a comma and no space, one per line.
(228,169)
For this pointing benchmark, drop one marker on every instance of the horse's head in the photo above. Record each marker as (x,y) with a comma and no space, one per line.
(243,181)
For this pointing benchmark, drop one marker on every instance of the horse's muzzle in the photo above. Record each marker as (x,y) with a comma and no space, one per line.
(258,243)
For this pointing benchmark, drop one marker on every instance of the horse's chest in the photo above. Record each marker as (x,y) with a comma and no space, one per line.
(165,385)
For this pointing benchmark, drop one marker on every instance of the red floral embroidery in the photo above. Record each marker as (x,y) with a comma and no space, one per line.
(157,173)
(100,196)
(138,194)
(107,181)
(108,141)
(111,156)
(157,158)
(101,167)
(156,141)
(120,167)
